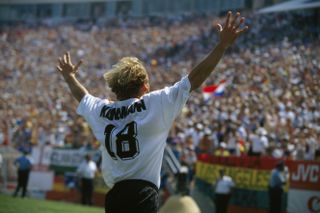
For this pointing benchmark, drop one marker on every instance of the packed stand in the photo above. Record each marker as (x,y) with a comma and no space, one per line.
(269,108)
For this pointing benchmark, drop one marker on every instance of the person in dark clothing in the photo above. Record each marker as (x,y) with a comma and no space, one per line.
(24,167)
(276,183)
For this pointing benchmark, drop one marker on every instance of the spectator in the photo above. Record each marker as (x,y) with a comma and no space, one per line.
(222,150)
(259,143)
(273,83)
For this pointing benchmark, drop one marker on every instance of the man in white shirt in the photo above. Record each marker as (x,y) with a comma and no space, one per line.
(87,171)
(133,130)
(223,192)
(259,143)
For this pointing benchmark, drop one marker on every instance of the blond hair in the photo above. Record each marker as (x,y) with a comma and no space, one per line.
(126,77)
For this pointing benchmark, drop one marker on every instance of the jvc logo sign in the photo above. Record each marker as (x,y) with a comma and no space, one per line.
(307,173)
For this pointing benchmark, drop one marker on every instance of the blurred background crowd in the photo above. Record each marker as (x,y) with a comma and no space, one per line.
(270,106)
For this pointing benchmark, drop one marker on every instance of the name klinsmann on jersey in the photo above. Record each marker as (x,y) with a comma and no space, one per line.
(113,113)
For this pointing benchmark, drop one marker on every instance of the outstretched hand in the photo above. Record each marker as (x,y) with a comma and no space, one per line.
(66,67)
(68,71)
(231,29)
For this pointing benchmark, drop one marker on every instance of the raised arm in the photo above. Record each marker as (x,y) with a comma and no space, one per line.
(68,71)
(227,34)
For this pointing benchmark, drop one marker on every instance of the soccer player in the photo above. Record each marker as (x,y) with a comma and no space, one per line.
(133,130)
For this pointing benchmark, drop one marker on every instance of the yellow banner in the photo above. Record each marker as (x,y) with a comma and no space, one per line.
(244,178)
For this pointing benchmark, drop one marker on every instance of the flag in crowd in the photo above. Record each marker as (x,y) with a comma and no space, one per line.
(214,90)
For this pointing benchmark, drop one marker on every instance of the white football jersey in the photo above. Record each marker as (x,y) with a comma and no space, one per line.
(133,132)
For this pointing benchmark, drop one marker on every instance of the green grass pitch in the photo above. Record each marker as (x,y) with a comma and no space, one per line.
(9,204)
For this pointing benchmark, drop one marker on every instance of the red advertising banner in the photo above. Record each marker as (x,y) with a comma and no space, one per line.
(260,163)
(304,175)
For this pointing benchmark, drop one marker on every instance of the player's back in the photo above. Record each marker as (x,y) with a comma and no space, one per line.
(133,132)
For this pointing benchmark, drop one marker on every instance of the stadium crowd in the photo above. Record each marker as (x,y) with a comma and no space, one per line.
(270,106)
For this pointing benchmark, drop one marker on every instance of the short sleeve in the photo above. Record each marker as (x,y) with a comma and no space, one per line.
(88,106)
(174,98)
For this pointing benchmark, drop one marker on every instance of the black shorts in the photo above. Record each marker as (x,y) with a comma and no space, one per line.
(138,196)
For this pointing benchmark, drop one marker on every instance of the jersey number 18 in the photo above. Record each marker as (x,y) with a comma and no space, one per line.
(127,146)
